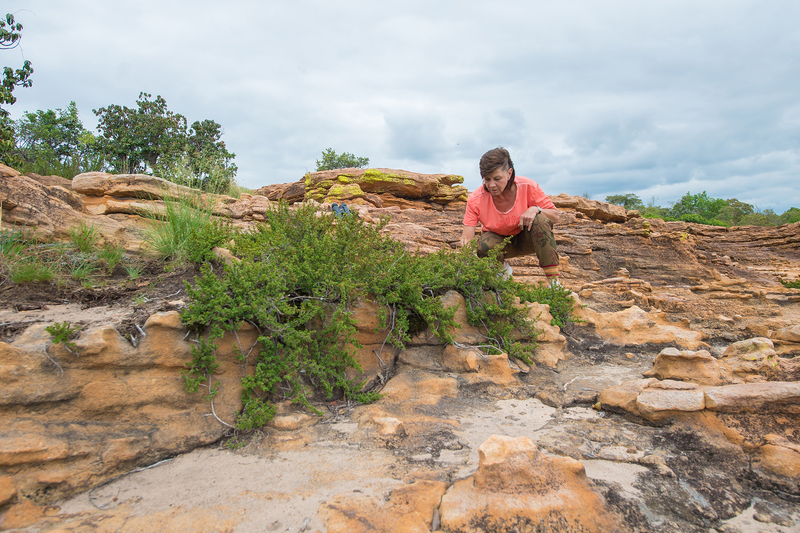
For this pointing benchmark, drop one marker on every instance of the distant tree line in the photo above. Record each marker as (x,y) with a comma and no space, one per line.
(149,139)
(702,209)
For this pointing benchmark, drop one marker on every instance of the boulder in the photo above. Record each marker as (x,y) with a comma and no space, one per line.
(382,187)
(517,488)
(685,365)
(747,357)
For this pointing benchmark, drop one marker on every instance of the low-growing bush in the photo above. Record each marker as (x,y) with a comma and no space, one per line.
(298,275)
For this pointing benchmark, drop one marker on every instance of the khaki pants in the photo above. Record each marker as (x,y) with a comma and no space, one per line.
(539,240)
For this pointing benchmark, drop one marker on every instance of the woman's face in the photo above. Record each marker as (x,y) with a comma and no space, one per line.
(497,180)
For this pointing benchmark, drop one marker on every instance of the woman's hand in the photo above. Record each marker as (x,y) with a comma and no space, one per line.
(526,219)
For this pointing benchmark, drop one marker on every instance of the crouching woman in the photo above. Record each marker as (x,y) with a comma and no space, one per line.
(511,205)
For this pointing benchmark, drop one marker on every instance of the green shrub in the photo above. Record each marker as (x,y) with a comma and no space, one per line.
(62,333)
(791,284)
(298,275)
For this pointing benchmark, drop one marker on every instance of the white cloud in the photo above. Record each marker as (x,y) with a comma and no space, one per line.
(654,98)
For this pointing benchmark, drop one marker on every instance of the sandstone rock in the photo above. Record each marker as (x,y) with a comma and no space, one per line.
(384,187)
(517,488)
(591,208)
(779,459)
(658,403)
(750,347)
(635,326)
(22,514)
(114,408)
(788,334)
(420,387)
(771,396)
(409,508)
(624,395)
(7,490)
(128,186)
(460,360)
(751,356)
(685,365)
(388,425)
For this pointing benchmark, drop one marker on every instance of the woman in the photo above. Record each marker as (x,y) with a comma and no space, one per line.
(508,204)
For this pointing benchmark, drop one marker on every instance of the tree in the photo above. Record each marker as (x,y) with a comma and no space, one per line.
(767,217)
(697,204)
(209,159)
(791,216)
(132,140)
(735,211)
(628,201)
(331,161)
(10,38)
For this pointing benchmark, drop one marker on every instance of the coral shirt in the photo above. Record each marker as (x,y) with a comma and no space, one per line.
(480,207)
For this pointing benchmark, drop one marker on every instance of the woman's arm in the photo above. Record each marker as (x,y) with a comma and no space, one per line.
(467,235)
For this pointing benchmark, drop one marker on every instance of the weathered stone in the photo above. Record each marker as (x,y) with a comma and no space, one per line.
(517,488)
(408,508)
(635,326)
(788,334)
(115,406)
(7,490)
(698,367)
(770,396)
(591,208)
(655,404)
(624,395)
(388,425)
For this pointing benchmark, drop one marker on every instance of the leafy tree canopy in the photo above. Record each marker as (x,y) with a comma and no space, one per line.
(55,142)
(154,139)
(10,38)
(330,160)
(791,216)
(628,201)
(697,204)
(133,139)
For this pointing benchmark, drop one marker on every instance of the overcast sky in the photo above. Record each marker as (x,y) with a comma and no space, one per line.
(590,97)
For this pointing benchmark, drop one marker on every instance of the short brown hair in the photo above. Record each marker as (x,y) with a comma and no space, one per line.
(494,159)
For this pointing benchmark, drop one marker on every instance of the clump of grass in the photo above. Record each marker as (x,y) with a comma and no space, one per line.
(13,242)
(62,333)
(188,233)
(31,269)
(85,236)
(133,271)
(111,254)
(82,271)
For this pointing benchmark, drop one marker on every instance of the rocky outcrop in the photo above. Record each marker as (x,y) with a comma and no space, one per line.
(71,418)
(378,187)
(517,488)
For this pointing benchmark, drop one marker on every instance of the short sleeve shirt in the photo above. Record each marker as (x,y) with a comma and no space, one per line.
(480,207)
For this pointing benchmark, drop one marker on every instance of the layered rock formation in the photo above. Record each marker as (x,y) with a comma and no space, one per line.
(687,345)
